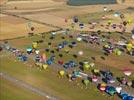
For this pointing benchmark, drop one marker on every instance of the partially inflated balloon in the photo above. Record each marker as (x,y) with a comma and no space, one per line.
(45,66)
(61,73)
(37,52)
(80,53)
(86,66)
(44,57)
(35,45)
(129,21)
(109,22)
(129,47)
(86,82)
(79,39)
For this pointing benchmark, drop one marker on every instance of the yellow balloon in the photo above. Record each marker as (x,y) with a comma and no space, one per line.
(129,21)
(45,66)
(103,84)
(44,57)
(35,45)
(129,47)
(86,66)
(109,21)
(40,65)
(62,72)
(96,71)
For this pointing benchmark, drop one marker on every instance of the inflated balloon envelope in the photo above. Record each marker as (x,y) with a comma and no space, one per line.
(61,72)
(86,82)
(127,72)
(80,53)
(37,52)
(118,89)
(79,39)
(34,45)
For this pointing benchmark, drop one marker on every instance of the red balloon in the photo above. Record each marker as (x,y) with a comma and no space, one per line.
(32,28)
(66,20)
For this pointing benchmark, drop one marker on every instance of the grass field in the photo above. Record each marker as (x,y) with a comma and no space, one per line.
(49,81)
(10,90)
(54,12)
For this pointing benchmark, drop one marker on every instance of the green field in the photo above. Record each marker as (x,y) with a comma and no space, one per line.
(48,80)
(9,91)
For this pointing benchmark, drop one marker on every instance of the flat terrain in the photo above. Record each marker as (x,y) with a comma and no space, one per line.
(49,15)
(12,27)
(55,13)
(10,90)
(49,81)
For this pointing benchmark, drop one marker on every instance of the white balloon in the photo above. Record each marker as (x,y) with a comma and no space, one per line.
(53,33)
(116,15)
(37,52)
(92,64)
(133,36)
(118,89)
(105,9)
(80,52)
(127,73)
(79,39)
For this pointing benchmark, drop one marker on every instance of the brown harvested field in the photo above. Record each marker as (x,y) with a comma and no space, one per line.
(55,11)
(2,2)
(31,4)
(12,27)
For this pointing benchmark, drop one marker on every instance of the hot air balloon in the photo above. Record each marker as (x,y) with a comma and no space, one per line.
(86,66)
(53,33)
(61,73)
(34,45)
(109,22)
(44,57)
(129,21)
(81,25)
(105,9)
(79,39)
(127,72)
(117,52)
(66,20)
(92,64)
(86,81)
(37,52)
(32,28)
(60,62)
(122,16)
(45,66)
(133,36)
(118,89)
(116,14)
(102,87)
(75,19)
(94,78)
(29,50)
(129,47)
(110,90)
(96,72)
(80,53)
(123,81)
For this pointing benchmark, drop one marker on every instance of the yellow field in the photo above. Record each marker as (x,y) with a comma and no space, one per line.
(51,12)
(12,27)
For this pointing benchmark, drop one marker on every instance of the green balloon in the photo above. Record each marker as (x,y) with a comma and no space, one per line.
(86,82)
(86,66)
